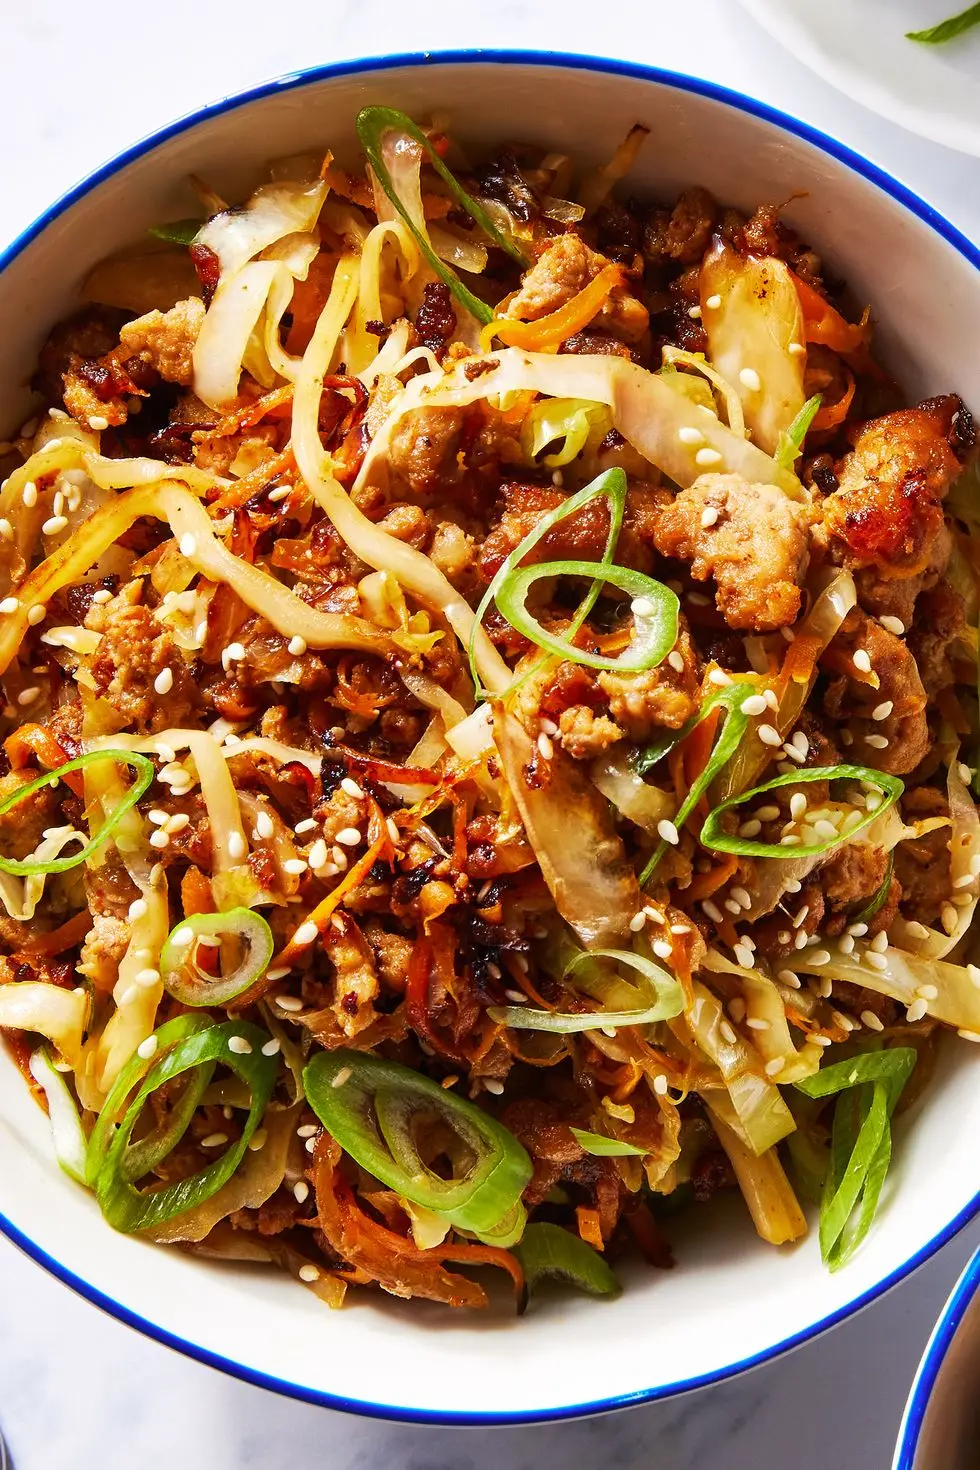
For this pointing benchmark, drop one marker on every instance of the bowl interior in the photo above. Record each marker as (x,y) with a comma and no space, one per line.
(941,1430)
(730,1300)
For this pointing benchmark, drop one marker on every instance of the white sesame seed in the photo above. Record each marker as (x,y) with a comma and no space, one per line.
(719,677)
(660,1084)
(877,742)
(790,978)
(306,933)
(774,1067)
(349,836)
(797,805)
(239,1045)
(296,866)
(98,422)
(875,960)
(688,435)
(164,681)
(749,378)
(694,312)
(825,830)
(824,986)
(307,1130)
(318,854)
(892,624)
(301,1191)
(642,607)
(753,704)
(769,735)
(819,957)
(492,1085)
(637,922)
(352,788)
(709,516)
(858,930)
(668,832)
(712,911)
(258,1140)
(846,944)
(310,1145)
(731,906)
(29,495)
(297,646)
(148,978)
(916,1010)
(214,1140)
(339,856)
(236,846)
(796,349)
(147,1048)
(546,748)
(707,457)
(662,949)
(883,710)
(744,956)
(928,992)
(757,1023)
(751,828)
(54,524)
(871,1021)
(767,813)
(159,839)
(713,302)
(862,660)
(680,928)
(968,1035)
(307,825)
(676,661)
(728,1032)
(790,840)
(880,943)
(800,916)
(949,916)
(289,1003)
(28,696)
(280,493)
(188,544)
(742,896)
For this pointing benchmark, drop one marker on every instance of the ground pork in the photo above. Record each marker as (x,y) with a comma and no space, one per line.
(656,698)
(580,537)
(560,272)
(392,955)
(681,234)
(756,549)
(853,876)
(897,694)
(166,340)
(423,454)
(585,734)
(922,863)
(85,404)
(887,511)
(939,621)
(136,649)
(105,944)
(22,828)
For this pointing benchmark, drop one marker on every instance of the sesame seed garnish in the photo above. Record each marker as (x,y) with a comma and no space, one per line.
(790,978)
(694,312)
(54,524)
(297,646)
(846,944)
(709,516)
(660,1084)
(159,839)
(732,907)
(790,840)
(916,1010)
(744,956)
(949,916)
(164,681)
(927,992)
(753,704)
(662,949)
(728,1032)
(875,960)
(757,1023)
(749,378)
(774,1067)
(637,922)
(892,624)
(307,825)
(29,495)
(797,805)
(306,933)
(318,854)
(719,677)
(769,735)
(767,813)
(239,1045)
(351,788)
(800,916)
(862,660)
(301,1191)
(296,866)
(307,1130)
(877,742)
(492,1085)
(289,1003)
(712,911)
(819,957)
(688,435)
(214,1140)
(349,836)
(707,457)
(546,748)
(858,930)
(796,349)
(713,302)
(668,832)
(825,830)
(968,1035)
(872,1021)
(880,943)
(339,856)
(741,896)
(147,1048)
(258,1140)
(883,710)
(751,828)
(28,696)
(271,1048)
(280,493)
(676,661)
(188,544)
(236,846)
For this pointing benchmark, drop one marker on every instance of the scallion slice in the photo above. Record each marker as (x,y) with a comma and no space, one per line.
(870,1086)
(603,1147)
(791,442)
(177,231)
(378,1112)
(876,901)
(713,835)
(144,775)
(659,998)
(548,1250)
(183,977)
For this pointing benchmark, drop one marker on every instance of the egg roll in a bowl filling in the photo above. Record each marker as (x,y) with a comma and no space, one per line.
(489,726)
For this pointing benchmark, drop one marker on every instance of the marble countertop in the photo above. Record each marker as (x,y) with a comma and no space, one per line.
(78,1389)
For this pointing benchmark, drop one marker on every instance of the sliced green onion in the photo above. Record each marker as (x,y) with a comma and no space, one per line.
(187,982)
(791,440)
(612,485)
(655,631)
(947,30)
(372,124)
(603,1147)
(196,1047)
(144,775)
(877,899)
(376,1110)
(870,1086)
(730,699)
(67,1133)
(714,837)
(652,754)
(177,231)
(506,1232)
(548,1250)
(660,996)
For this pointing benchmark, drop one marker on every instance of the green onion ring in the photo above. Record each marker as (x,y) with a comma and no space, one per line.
(144,769)
(178,960)
(714,837)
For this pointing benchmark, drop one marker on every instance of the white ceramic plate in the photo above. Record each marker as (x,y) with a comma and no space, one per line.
(731,1301)
(860,46)
(941,1427)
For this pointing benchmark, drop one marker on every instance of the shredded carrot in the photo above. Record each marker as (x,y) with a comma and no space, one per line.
(548,332)
(37,741)
(800,661)
(264,474)
(824,323)
(66,936)
(705,884)
(248,415)
(833,414)
(589,1227)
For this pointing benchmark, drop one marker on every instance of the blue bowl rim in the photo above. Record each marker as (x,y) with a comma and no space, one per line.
(557,60)
(930,1367)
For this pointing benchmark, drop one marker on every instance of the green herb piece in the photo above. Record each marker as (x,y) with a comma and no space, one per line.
(877,899)
(177,231)
(377,1111)
(791,440)
(713,836)
(869,1087)
(144,775)
(603,1147)
(548,1250)
(947,30)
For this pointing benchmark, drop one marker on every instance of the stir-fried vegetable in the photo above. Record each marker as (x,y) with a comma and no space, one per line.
(601,1146)
(378,1112)
(714,835)
(68,1135)
(549,1251)
(180,960)
(658,997)
(144,775)
(870,1086)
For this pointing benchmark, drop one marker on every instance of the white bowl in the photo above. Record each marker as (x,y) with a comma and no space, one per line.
(941,1427)
(731,1302)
